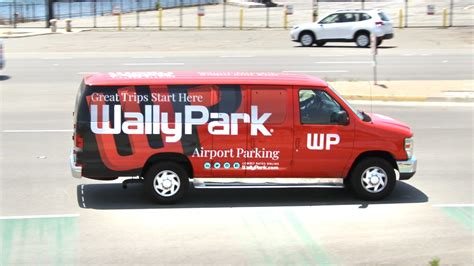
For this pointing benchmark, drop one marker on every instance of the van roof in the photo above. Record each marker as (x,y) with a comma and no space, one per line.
(200,78)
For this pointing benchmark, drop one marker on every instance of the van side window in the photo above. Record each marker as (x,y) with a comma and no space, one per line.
(272,101)
(317,107)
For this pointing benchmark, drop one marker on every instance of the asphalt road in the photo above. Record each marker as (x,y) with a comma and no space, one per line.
(421,66)
(47,217)
(98,222)
(414,54)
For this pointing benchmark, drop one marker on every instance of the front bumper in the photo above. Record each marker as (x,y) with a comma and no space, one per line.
(76,171)
(294,35)
(407,169)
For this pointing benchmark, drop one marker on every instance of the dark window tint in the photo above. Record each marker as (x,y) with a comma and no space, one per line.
(364,16)
(347,17)
(317,107)
(334,18)
(383,16)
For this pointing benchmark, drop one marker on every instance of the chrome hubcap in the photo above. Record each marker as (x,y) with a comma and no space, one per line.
(374,179)
(306,39)
(166,183)
(363,40)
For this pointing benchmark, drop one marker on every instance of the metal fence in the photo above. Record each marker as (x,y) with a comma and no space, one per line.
(18,12)
(227,13)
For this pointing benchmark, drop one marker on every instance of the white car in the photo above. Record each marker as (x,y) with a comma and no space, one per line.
(353,25)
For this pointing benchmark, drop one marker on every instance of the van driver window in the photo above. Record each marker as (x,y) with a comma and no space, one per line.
(317,107)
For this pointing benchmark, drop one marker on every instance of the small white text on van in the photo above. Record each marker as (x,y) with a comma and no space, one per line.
(318,141)
(155,122)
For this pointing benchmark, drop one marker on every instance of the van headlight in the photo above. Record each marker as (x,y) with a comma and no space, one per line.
(409,147)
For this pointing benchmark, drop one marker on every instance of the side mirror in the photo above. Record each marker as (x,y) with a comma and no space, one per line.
(340,118)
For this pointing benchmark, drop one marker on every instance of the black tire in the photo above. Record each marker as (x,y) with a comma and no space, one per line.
(307,38)
(380,168)
(320,43)
(172,172)
(362,39)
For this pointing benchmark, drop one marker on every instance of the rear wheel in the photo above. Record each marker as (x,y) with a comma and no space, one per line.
(372,179)
(307,39)
(362,39)
(166,182)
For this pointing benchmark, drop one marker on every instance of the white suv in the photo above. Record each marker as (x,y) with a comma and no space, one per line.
(345,26)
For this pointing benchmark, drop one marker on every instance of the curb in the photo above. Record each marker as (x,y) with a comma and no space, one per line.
(398,98)
(33,34)
(13,36)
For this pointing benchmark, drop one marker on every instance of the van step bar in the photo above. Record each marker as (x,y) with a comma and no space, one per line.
(127,182)
(218,183)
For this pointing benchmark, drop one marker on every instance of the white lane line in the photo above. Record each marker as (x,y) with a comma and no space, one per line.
(36,130)
(445,61)
(153,64)
(315,71)
(39,216)
(468,7)
(454,205)
(326,56)
(56,58)
(55,64)
(86,73)
(82,197)
(236,56)
(146,57)
(344,62)
(425,54)
(407,54)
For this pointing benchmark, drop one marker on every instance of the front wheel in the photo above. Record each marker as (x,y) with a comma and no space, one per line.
(166,182)
(307,39)
(372,179)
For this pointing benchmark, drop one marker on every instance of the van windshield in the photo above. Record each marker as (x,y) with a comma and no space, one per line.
(357,112)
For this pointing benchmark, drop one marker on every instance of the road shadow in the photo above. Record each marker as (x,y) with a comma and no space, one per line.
(4,77)
(344,46)
(113,196)
(381,86)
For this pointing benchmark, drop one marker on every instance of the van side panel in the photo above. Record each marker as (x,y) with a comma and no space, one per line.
(272,156)
(123,126)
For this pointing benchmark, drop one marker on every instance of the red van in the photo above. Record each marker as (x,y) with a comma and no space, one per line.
(233,130)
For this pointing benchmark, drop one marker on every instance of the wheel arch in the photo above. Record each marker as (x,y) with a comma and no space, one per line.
(361,31)
(179,158)
(374,154)
(307,31)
